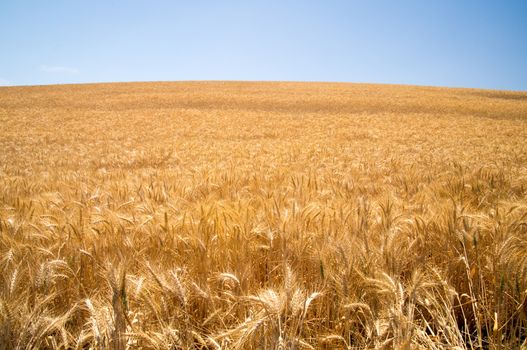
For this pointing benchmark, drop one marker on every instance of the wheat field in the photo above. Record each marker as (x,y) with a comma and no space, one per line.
(238,215)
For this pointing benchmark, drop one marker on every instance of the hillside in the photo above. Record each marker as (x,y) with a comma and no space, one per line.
(253,215)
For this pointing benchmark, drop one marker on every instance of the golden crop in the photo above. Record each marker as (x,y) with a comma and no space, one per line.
(262,216)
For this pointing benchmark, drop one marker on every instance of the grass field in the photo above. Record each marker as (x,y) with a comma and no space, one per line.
(234,215)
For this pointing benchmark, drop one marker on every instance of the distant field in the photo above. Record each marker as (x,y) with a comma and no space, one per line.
(208,215)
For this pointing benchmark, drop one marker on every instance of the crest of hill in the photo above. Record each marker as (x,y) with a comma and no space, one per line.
(348,98)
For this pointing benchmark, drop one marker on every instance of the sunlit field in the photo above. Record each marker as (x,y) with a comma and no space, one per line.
(232,215)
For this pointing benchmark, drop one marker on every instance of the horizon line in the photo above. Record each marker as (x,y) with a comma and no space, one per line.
(262,81)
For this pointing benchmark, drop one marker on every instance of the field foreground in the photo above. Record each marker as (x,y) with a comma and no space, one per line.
(262,216)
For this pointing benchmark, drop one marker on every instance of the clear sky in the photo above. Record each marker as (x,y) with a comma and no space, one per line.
(460,43)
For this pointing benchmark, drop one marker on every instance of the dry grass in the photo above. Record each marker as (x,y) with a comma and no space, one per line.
(262,216)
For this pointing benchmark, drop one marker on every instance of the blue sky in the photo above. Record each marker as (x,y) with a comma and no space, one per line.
(463,43)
